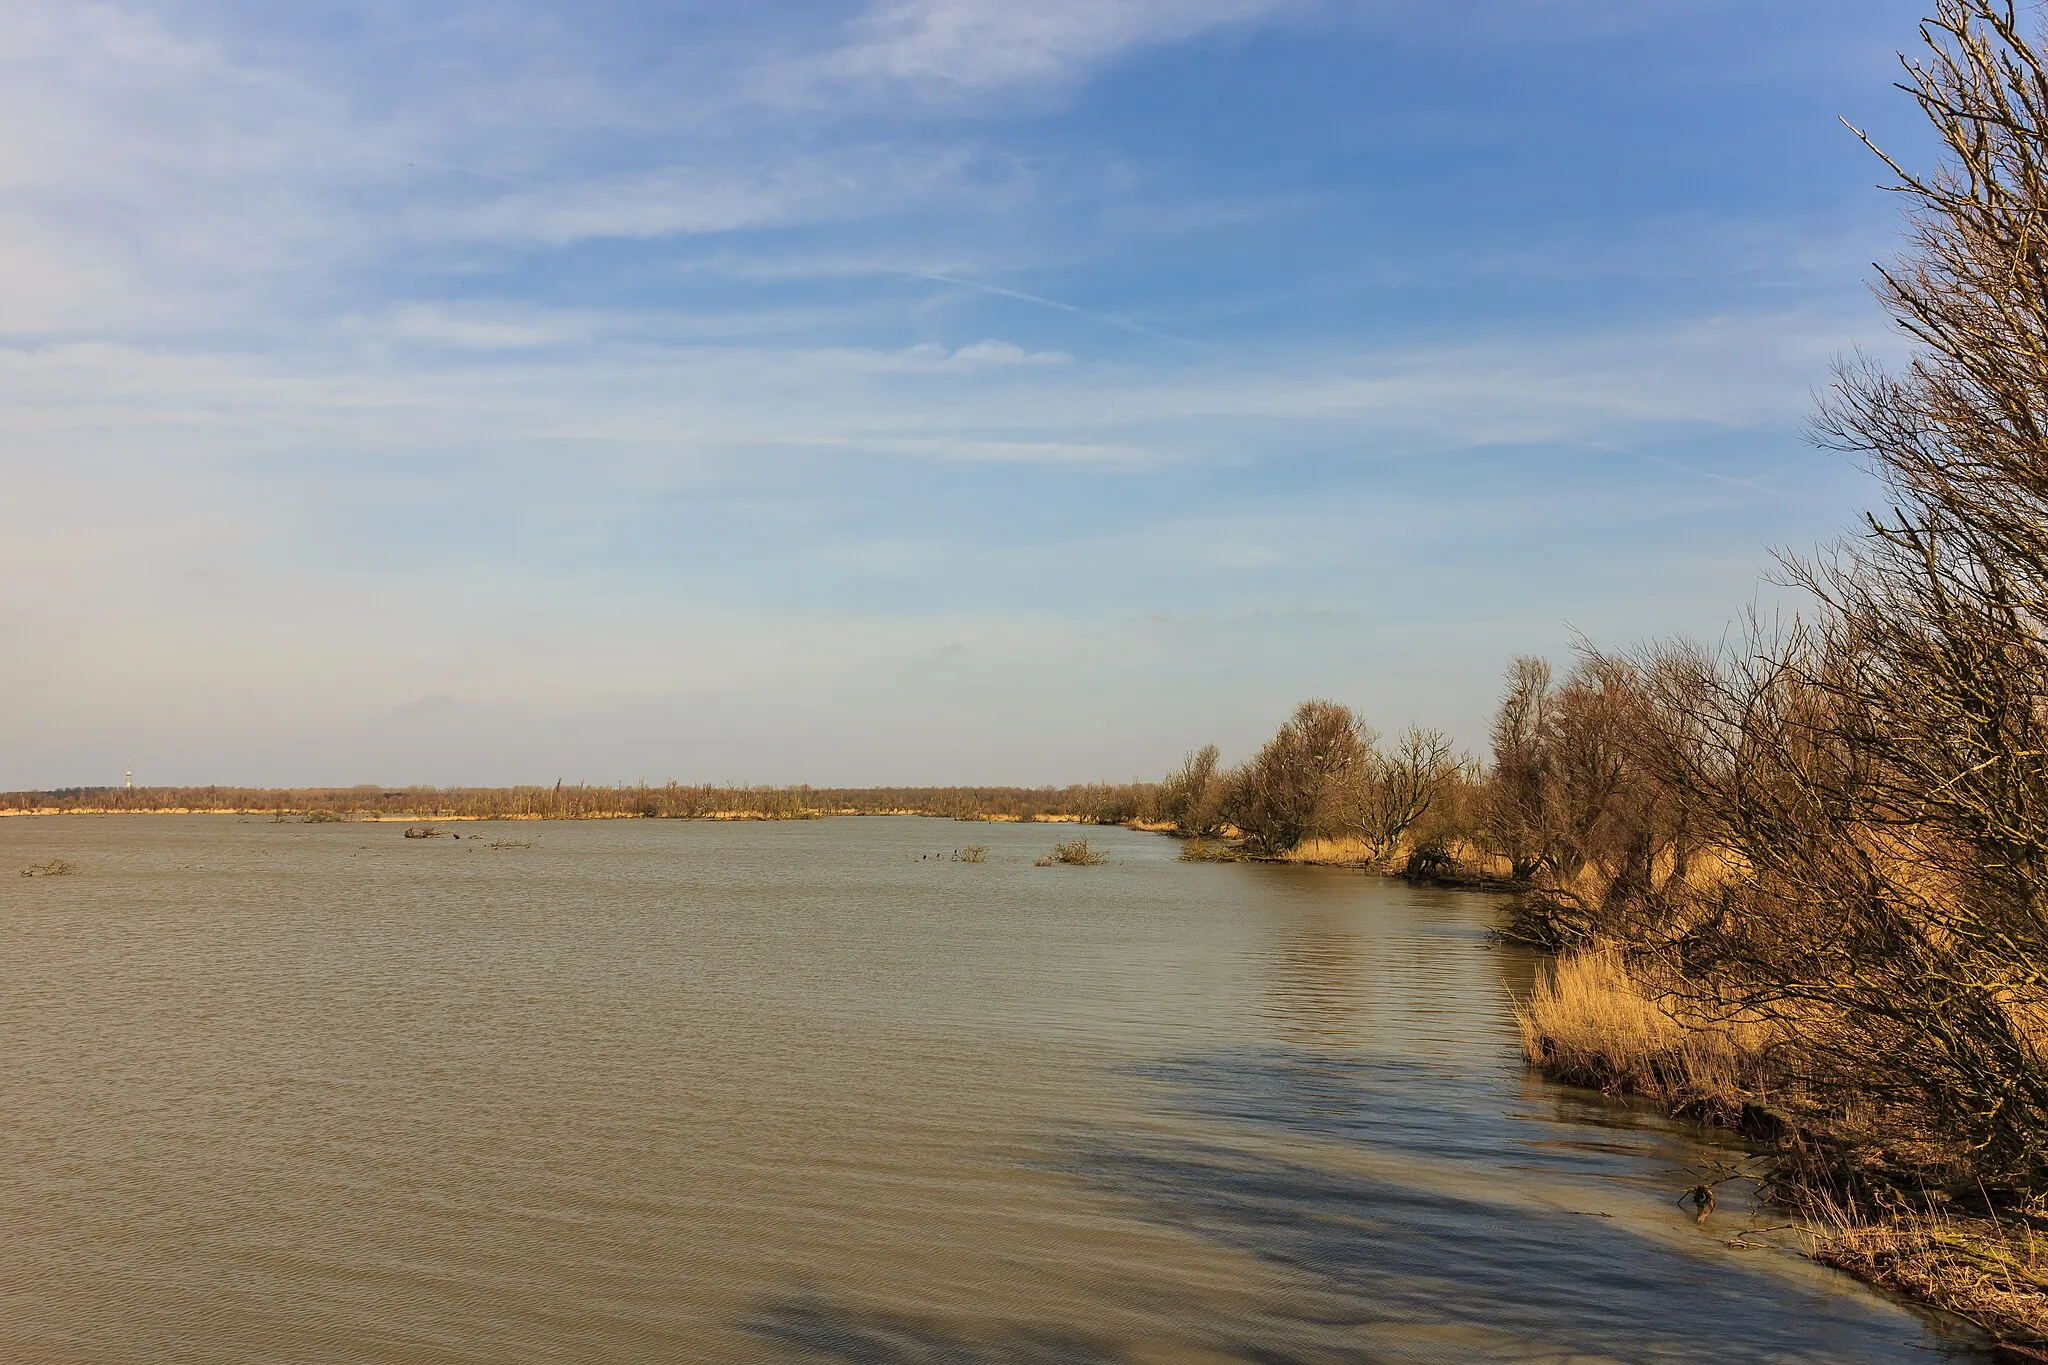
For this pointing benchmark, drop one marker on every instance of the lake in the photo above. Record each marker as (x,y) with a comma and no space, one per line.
(671,1091)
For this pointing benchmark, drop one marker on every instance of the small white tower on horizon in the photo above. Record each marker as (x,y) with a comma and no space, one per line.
(131,779)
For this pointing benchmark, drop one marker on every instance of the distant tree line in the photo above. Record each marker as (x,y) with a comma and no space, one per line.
(1104,803)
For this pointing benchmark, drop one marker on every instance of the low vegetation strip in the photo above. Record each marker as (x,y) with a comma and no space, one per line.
(1100,803)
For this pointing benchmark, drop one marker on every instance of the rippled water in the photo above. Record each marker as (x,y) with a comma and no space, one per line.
(651,1091)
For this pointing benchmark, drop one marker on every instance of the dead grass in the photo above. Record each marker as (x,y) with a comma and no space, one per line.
(1589,1021)
(56,867)
(1990,1270)
(973,853)
(1344,851)
(1453,861)
(1209,851)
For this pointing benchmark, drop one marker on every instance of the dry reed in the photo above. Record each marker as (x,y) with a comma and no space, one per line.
(1985,1268)
(1590,1021)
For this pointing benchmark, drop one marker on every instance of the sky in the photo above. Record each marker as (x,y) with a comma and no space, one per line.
(896,391)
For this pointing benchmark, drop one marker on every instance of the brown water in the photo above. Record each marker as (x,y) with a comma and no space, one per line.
(651,1091)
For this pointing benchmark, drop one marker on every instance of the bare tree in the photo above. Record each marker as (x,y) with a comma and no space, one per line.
(1516,815)
(1299,785)
(1400,787)
(1190,796)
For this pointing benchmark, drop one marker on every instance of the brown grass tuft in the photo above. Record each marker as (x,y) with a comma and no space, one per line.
(1073,853)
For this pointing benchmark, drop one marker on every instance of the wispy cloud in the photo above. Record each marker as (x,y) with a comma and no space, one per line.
(481,329)
(959,46)
(852,183)
(541,380)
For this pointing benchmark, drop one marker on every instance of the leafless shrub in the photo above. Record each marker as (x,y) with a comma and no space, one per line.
(1448,841)
(973,853)
(1322,776)
(1073,853)
(1519,812)
(56,867)
(1888,783)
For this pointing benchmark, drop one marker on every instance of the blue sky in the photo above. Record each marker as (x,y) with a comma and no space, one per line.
(915,391)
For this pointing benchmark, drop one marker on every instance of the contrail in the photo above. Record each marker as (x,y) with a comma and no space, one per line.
(1110,318)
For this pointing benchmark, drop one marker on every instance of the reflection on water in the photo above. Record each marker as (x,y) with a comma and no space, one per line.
(673,1092)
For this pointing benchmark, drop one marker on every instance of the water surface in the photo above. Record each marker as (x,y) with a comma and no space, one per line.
(653,1091)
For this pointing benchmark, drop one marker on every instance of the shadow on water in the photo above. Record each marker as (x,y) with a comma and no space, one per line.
(1416,1109)
(1453,1252)
(1466,1233)
(811,1327)
(1420,1268)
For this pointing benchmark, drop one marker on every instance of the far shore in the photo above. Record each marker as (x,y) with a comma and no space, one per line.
(385,818)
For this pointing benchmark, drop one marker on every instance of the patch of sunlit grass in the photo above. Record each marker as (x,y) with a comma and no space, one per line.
(1590,1021)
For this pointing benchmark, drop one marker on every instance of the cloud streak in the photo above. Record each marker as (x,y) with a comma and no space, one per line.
(957,47)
